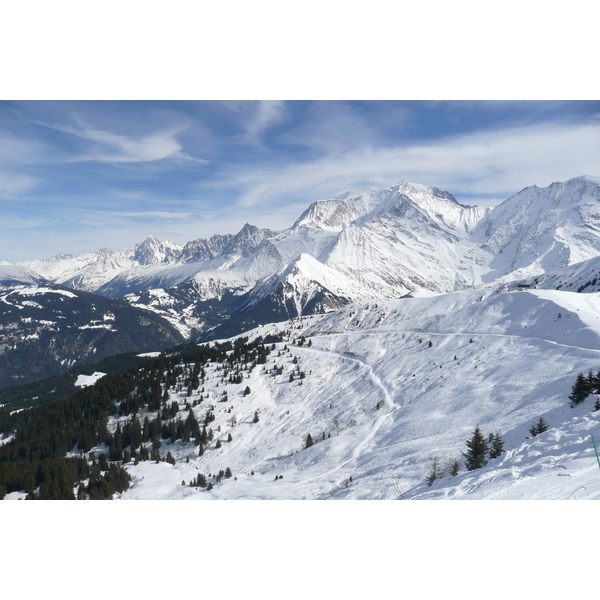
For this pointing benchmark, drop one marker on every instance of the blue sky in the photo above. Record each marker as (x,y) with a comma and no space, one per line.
(77,175)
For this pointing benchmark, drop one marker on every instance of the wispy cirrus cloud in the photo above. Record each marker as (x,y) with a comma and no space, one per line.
(115,148)
(486,163)
(15,184)
(268,114)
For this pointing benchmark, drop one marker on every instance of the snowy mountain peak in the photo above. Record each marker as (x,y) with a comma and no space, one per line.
(152,251)
(105,252)
(418,190)
(247,239)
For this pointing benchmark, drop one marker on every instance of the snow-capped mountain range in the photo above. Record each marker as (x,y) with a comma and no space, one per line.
(363,244)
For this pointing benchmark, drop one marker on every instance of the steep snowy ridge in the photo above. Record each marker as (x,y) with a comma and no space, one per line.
(15,275)
(301,281)
(543,229)
(583,277)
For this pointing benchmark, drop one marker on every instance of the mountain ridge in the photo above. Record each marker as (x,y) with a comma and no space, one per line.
(375,243)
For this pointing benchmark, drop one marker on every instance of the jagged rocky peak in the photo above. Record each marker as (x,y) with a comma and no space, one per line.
(201,249)
(152,251)
(247,239)
(105,252)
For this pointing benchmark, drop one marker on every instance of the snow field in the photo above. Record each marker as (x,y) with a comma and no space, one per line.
(374,354)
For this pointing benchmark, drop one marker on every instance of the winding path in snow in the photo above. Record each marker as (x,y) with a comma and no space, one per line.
(464,334)
(360,447)
(379,420)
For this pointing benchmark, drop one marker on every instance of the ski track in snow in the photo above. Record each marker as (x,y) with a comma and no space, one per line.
(470,335)
(358,449)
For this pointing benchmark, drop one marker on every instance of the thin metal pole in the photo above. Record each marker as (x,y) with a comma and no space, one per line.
(596,450)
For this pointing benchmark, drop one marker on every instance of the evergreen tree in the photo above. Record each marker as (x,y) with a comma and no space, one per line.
(309,441)
(477,450)
(454,468)
(247,391)
(255,420)
(496,445)
(538,427)
(218,444)
(579,391)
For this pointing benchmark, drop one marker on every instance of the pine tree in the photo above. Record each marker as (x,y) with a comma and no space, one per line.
(496,445)
(477,451)
(255,420)
(454,468)
(309,441)
(579,391)
(591,382)
(538,427)
(247,391)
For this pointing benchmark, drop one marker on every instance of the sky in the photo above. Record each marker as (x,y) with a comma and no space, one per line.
(78,175)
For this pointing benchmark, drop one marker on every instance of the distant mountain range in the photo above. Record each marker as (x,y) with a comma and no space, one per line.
(361,245)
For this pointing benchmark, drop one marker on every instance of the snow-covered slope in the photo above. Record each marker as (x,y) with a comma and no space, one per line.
(16,275)
(544,229)
(389,384)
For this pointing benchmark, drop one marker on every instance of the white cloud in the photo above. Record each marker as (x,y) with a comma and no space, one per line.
(269,113)
(115,148)
(150,148)
(487,163)
(14,184)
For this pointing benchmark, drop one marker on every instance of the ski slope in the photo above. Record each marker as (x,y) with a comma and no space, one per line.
(389,384)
